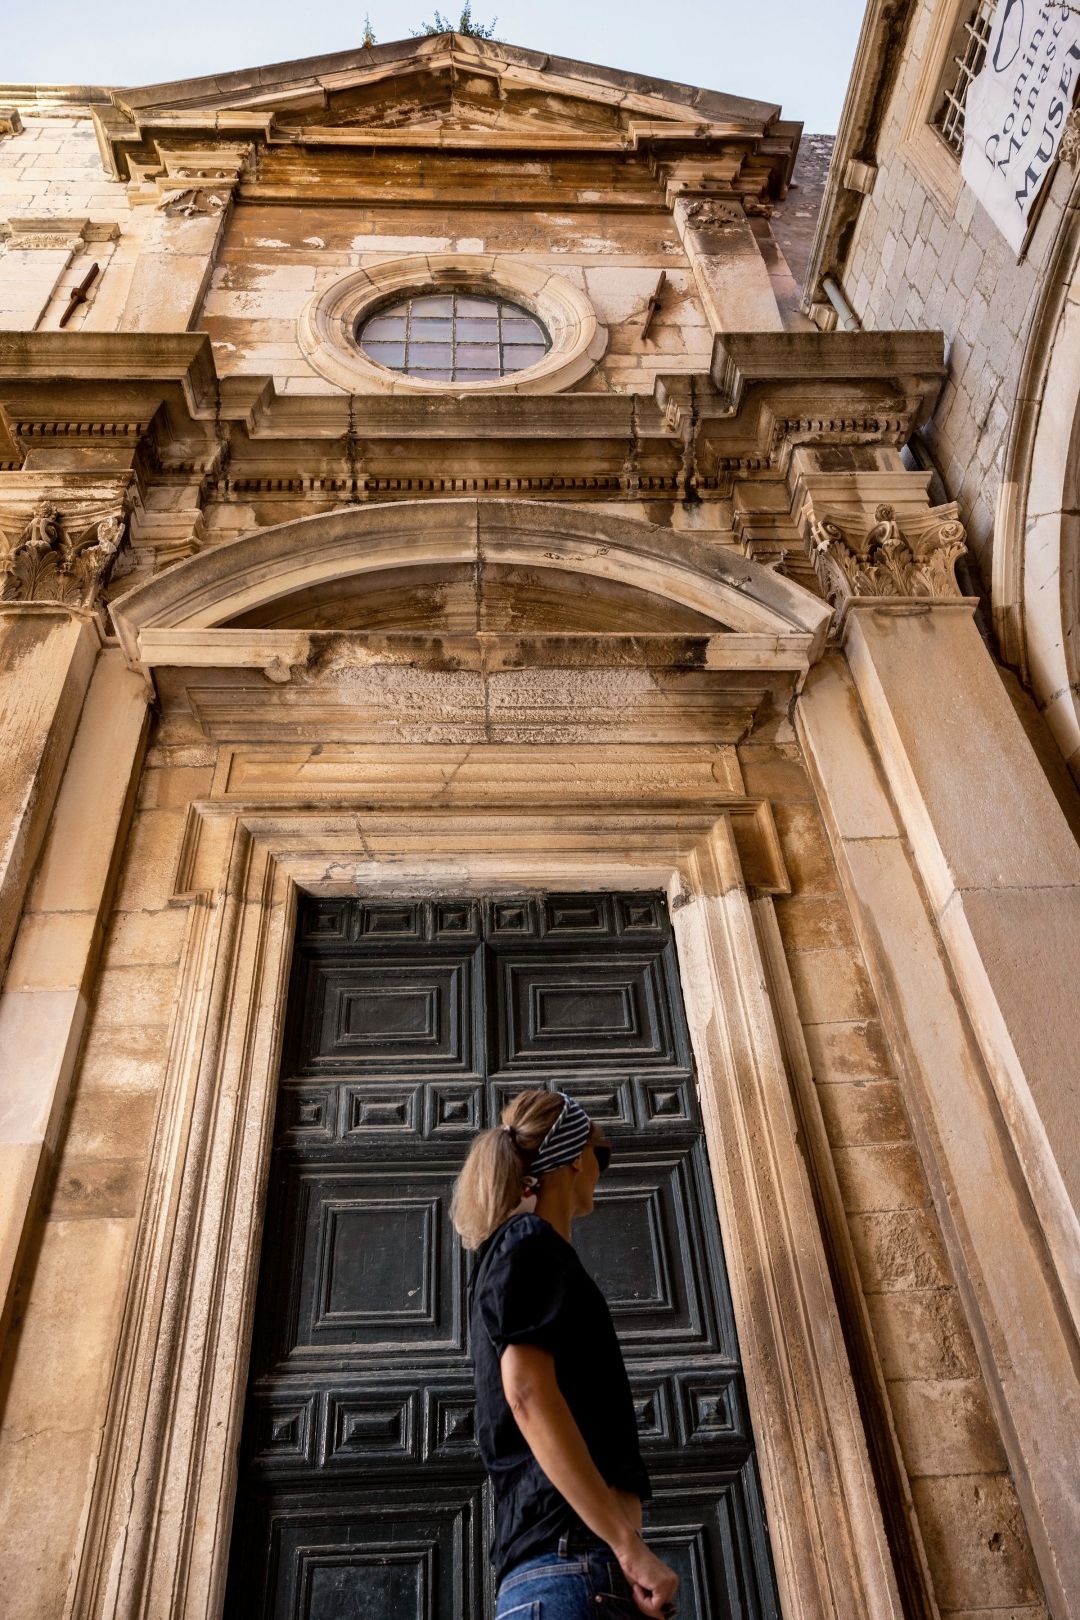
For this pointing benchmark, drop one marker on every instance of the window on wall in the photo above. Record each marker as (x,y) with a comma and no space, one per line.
(964,60)
(453,337)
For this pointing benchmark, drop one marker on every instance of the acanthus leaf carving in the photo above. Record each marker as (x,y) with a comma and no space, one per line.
(54,559)
(1069,146)
(708,213)
(888,560)
(193,201)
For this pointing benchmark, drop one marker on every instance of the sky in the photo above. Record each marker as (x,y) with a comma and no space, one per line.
(786,51)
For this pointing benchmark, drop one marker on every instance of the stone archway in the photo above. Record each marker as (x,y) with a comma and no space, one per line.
(1036,577)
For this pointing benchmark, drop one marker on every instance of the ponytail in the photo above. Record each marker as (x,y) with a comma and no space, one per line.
(494,1177)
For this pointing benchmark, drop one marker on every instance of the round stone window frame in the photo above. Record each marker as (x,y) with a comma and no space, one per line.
(329,323)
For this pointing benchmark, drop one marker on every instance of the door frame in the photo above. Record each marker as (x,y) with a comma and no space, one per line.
(158,1531)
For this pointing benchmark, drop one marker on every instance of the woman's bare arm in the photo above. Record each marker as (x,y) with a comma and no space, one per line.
(547,1424)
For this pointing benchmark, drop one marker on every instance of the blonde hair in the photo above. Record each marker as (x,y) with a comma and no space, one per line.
(492,1180)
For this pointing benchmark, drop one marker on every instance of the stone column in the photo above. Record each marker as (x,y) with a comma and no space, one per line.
(732,277)
(964,879)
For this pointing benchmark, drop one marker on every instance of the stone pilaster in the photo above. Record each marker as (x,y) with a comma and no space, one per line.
(731,274)
(44,1002)
(965,881)
(187,198)
(61,537)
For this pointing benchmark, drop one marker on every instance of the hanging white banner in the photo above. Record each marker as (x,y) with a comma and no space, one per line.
(1016,107)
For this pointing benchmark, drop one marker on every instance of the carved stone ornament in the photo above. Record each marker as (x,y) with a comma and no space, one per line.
(53,560)
(888,561)
(190,181)
(195,200)
(1069,148)
(708,212)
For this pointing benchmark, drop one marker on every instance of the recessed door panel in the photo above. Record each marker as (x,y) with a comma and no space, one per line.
(410,1026)
(376,1268)
(383,1014)
(582,1009)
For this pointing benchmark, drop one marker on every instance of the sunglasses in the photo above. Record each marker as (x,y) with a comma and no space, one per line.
(603,1154)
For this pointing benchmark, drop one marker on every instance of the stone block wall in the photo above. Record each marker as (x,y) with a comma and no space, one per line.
(51,171)
(911,1350)
(915,263)
(273,258)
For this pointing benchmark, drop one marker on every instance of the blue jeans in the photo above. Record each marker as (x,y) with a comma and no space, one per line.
(580,1581)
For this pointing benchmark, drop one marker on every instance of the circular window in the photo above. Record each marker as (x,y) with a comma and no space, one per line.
(453,337)
(442,323)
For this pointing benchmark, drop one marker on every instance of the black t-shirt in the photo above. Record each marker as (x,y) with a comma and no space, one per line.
(530,1287)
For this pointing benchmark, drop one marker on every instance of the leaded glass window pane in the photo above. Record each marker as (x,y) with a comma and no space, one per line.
(456,337)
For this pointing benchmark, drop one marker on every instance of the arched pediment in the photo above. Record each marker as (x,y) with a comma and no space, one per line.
(583,627)
(629,570)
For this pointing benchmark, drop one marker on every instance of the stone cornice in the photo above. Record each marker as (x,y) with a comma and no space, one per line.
(158,395)
(307,77)
(295,102)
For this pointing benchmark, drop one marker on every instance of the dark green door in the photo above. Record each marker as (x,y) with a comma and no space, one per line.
(409,1025)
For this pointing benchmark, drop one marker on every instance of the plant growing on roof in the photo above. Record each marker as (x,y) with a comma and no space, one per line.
(464,25)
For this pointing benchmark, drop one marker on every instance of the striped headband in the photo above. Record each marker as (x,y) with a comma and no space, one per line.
(565,1140)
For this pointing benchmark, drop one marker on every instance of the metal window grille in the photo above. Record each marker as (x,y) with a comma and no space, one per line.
(453,337)
(967,58)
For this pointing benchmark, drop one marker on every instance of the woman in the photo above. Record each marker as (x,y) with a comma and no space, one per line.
(554,1414)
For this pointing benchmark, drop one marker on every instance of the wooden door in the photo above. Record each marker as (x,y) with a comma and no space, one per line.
(409,1026)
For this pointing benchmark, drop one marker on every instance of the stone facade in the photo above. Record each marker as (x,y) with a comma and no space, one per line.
(911,248)
(677,611)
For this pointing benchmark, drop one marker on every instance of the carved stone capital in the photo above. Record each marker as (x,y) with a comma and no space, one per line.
(709,213)
(190,182)
(872,533)
(1069,149)
(62,550)
(885,559)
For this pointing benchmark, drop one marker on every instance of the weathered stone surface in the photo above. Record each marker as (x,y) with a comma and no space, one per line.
(831,987)
(813,923)
(899,1250)
(863,1112)
(848,1051)
(882,1177)
(946,1428)
(975,1534)
(88,1187)
(922,1334)
(806,848)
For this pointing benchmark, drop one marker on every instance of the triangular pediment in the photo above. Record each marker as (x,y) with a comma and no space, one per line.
(440,86)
